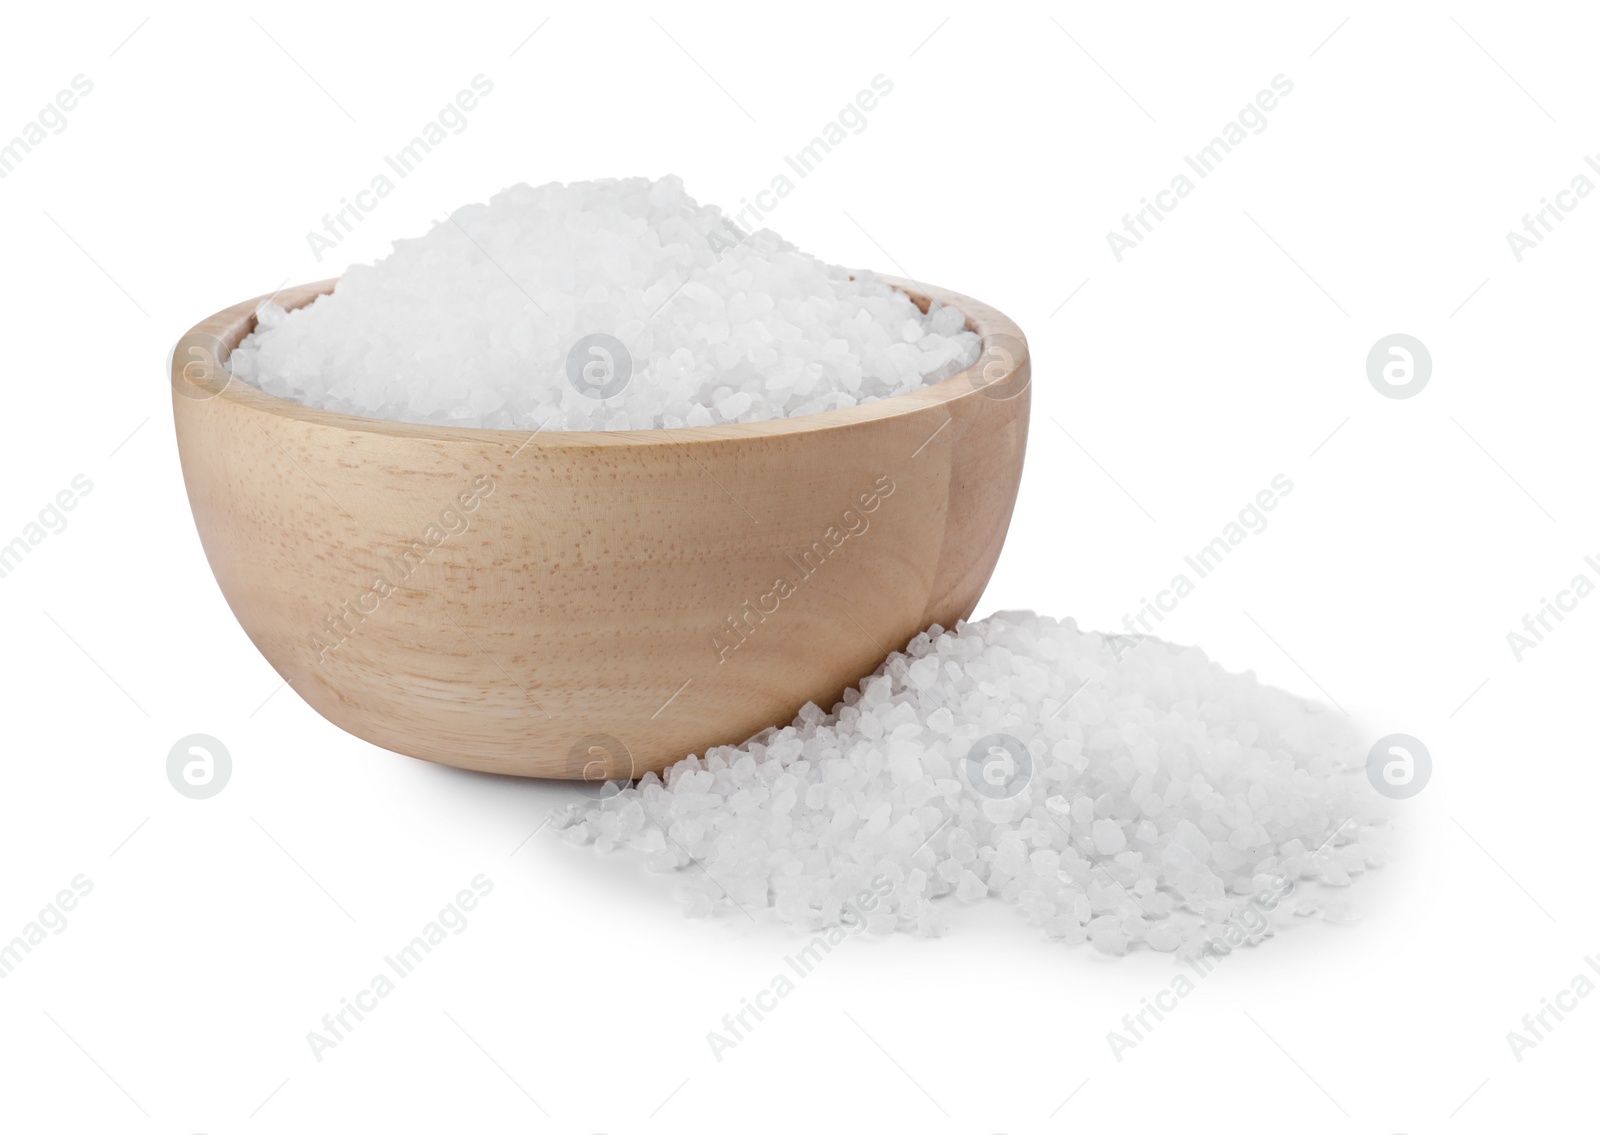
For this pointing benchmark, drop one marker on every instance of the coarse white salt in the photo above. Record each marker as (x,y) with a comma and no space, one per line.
(1118,790)
(599,305)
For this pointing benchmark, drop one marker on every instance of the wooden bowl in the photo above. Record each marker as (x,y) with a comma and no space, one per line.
(593,605)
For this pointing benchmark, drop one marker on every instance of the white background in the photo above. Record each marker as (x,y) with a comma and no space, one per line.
(1171,387)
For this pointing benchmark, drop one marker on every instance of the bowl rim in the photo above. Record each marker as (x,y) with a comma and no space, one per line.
(229,326)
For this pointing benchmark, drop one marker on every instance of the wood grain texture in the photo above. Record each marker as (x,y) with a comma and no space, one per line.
(569,604)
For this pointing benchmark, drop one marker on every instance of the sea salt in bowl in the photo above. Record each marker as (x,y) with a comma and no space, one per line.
(594,605)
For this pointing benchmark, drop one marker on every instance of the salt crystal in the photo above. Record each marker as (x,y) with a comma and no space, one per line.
(600,305)
(1108,837)
(884,790)
(971,888)
(734,404)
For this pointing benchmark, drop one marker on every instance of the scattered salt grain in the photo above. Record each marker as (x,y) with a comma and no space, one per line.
(1017,767)
(614,304)
(1342,913)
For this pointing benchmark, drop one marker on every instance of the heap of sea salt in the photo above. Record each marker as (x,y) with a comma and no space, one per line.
(616,304)
(1117,790)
